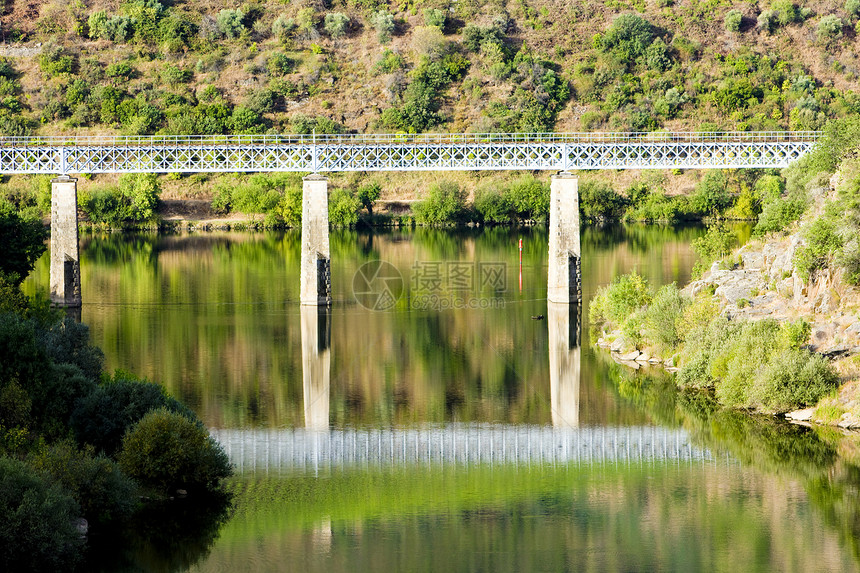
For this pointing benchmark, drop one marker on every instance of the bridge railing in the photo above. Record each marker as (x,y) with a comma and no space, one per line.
(602,138)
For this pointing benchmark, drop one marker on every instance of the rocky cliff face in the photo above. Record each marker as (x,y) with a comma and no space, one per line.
(765,284)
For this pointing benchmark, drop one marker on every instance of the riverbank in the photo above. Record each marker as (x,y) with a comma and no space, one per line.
(757,283)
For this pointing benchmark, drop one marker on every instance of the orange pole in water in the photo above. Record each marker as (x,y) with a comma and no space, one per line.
(521,265)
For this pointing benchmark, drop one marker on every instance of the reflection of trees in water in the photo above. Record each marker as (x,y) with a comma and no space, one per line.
(171,535)
(218,324)
(823,459)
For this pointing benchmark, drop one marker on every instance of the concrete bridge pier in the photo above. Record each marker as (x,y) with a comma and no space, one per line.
(565,275)
(65,260)
(316,256)
(316,365)
(565,357)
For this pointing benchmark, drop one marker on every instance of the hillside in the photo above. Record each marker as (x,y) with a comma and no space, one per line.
(188,67)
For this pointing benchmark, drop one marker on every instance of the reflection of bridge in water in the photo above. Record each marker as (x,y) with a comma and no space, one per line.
(317,447)
(311,450)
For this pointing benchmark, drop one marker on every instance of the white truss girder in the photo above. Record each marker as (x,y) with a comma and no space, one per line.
(464,152)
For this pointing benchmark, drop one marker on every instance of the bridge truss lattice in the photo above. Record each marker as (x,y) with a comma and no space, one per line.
(385,152)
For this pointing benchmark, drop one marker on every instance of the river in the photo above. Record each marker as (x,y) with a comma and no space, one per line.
(441,416)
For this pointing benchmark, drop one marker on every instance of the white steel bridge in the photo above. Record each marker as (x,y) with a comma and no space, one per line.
(396,152)
(452,445)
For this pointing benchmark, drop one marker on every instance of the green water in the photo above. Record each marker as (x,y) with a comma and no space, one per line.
(215,318)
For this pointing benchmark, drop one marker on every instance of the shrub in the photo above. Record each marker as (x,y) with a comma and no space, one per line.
(853,8)
(662,317)
(767,21)
(732,20)
(54,61)
(230,22)
(829,28)
(246,120)
(279,64)
(657,206)
(343,208)
(166,450)
(492,206)
(282,27)
(778,213)
(786,12)
(628,37)
(368,194)
(335,24)
(102,418)
(389,63)
(711,195)
(445,203)
(119,70)
(528,198)
(290,207)
(434,17)
(598,201)
(103,493)
(793,378)
(173,75)
(717,243)
(37,532)
(383,23)
(821,244)
(615,302)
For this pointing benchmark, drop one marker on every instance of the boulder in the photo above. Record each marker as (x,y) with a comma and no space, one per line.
(630,356)
(803,415)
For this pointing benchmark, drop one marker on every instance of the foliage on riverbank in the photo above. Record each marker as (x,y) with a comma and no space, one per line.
(75,442)
(761,365)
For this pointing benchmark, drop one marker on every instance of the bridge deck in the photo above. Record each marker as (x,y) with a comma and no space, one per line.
(400,152)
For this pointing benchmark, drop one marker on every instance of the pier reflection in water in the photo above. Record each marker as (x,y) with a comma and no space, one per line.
(316,365)
(565,358)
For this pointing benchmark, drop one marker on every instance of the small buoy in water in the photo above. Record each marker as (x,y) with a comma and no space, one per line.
(538,317)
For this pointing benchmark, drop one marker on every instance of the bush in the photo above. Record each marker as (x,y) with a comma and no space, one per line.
(767,21)
(290,208)
(37,532)
(368,194)
(445,204)
(166,450)
(628,37)
(434,17)
(383,23)
(732,20)
(279,64)
(343,208)
(787,12)
(714,245)
(662,317)
(821,245)
(528,197)
(657,206)
(853,8)
(335,24)
(102,418)
(615,302)
(101,490)
(491,206)
(598,201)
(829,28)
(54,61)
(711,195)
(778,213)
(792,379)
(230,22)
